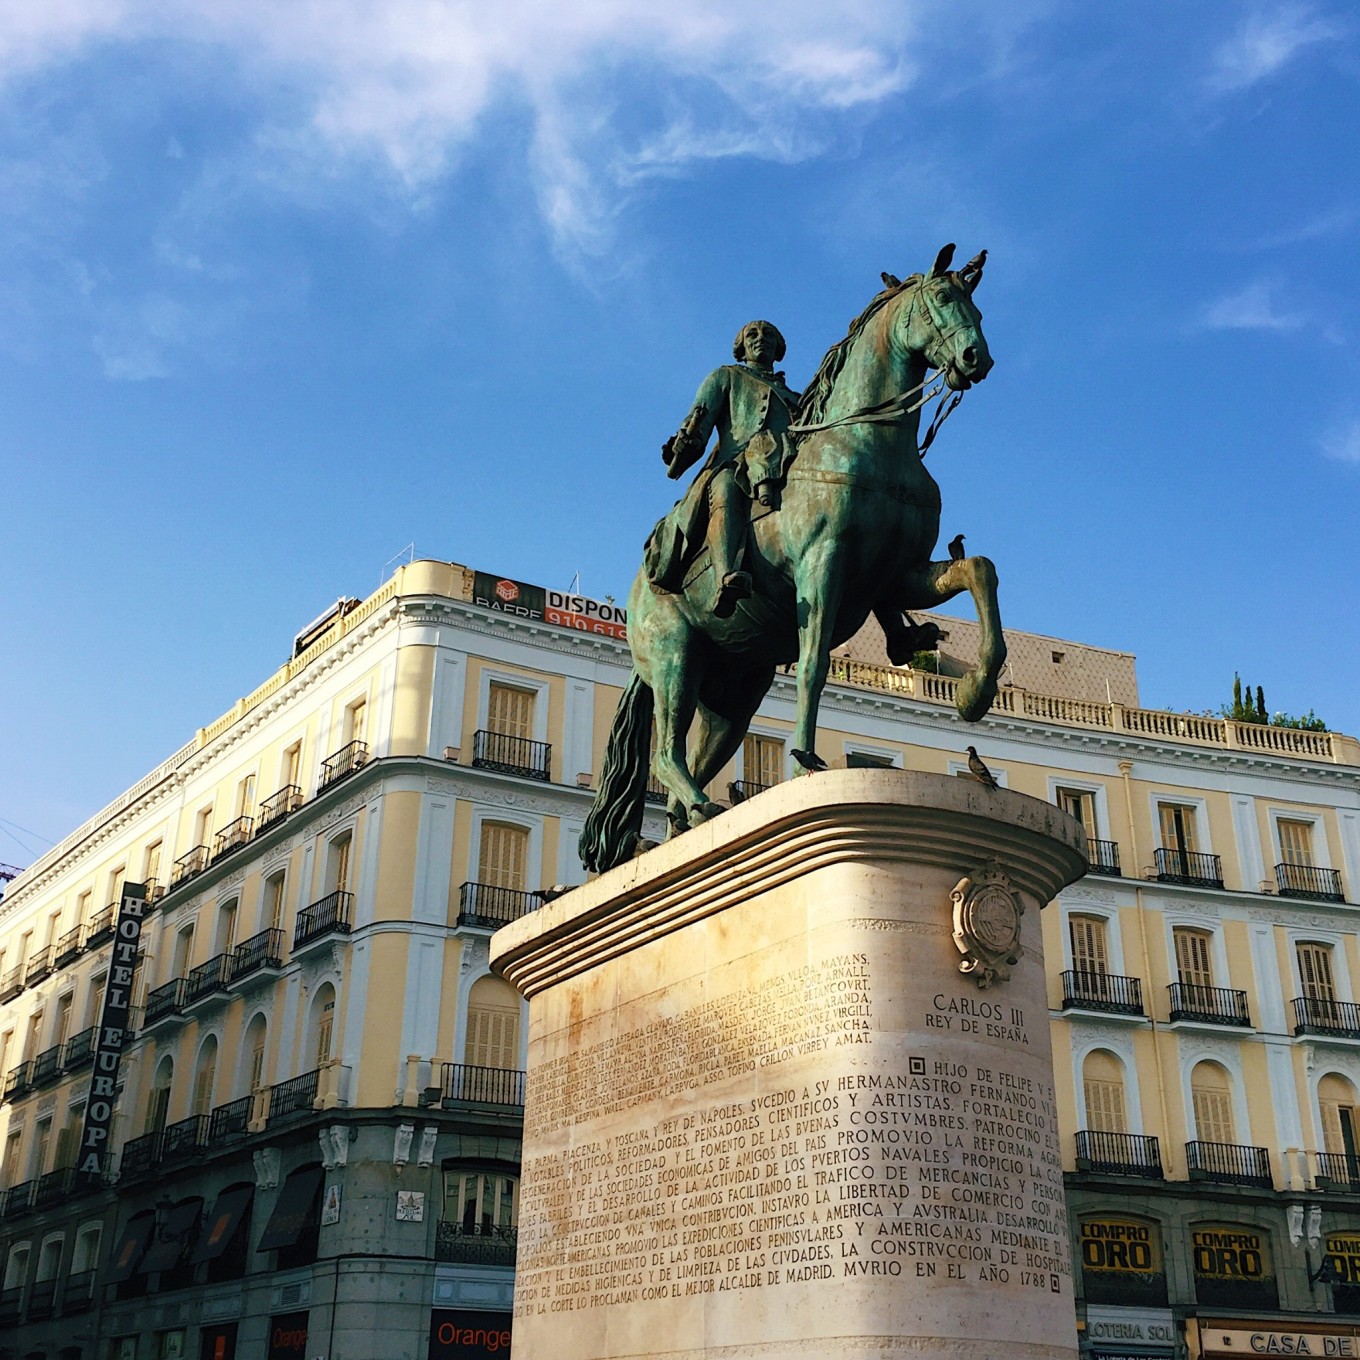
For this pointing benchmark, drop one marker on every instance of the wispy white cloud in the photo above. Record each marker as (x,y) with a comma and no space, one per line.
(1253,308)
(1342,442)
(1320,227)
(1266,41)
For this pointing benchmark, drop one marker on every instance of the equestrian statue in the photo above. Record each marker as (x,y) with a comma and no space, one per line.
(810,513)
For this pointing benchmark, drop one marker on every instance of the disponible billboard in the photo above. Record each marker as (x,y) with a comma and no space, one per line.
(578,612)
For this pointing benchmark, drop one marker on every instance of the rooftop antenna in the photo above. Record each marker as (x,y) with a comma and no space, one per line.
(404,557)
(575,587)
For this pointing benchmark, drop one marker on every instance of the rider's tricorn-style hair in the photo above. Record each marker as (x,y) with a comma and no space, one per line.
(739,344)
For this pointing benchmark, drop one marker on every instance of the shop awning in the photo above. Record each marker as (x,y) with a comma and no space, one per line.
(175,1237)
(232,1205)
(296,1208)
(131,1244)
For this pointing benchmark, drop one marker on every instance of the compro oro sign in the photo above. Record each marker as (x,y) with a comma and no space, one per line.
(1121,1260)
(1232,1266)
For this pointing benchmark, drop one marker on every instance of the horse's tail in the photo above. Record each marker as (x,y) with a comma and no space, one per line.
(615,818)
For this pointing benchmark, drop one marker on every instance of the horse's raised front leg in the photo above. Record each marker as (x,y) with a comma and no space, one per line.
(941,581)
(818,582)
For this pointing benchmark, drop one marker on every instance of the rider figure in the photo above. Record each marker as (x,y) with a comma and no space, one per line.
(751,407)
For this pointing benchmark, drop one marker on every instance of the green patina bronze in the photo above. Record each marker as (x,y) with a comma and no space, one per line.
(817,511)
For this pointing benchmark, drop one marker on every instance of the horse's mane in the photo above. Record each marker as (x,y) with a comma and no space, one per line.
(812,406)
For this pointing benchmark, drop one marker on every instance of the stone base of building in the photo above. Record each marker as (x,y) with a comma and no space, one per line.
(790,1086)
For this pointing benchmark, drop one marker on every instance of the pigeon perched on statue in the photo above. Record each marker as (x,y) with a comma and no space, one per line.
(979,771)
(956,548)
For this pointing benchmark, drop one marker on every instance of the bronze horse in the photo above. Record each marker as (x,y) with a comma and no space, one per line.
(858,520)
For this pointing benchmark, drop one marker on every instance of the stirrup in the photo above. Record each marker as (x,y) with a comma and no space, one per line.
(736,585)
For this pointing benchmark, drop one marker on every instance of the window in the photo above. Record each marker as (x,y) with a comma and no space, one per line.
(63,1029)
(1088,945)
(203,826)
(116,880)
(225,936)
(273,902)
(205,1077)
(292,764)
(865,760)
(509,711)
(1177,823)
(1211,1096)
(1336,1104)
(1296,842)
(83,907)
(94,998)
(1080,804)
(13,1145)
(1192,957)
(152,864)
(762,760)
(502,858)
(1103,1084)
(33,1038)
(492,1025)
(1315,971)
(158,1102)
(184,951)
(53,928)
(253,1051)
(356,721)
(481,1201)
(322,1024)
(16,1268)
(6,1043)
(42,1146)
(337,869)
(245,796)
(68,1138)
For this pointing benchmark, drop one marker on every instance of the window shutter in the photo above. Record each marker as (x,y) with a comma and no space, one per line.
(492,1037)
(1088,945)
(1296,842)
(510,712)
(1080,805)
(1315,972)
(503,856)
(1192,958)
(1212,1101)
(1177,826)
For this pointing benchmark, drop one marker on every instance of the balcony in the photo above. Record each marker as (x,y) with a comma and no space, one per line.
(11,1300)
(154,892)
(1337,1171)
(1189,867)
(656,792)
(1228,1164)
(1331,1019)
(68,948)
(475,1245)
(140,1156)
(482,904)
(42,1299)
(79,1293)
(165,1003)
(185,1140)
(231,1122)
(292,1097)
(1309,882)
(47,1066)
(511,755)
(19,1199)
(102,925)
(1102,857)
(190,865)
(346,761)
(278,806)
(232,837)
(262,953)
(80,1050)
(739,790)
(206,981)
(1107,992)
(52,1188)
(1119,1154)
(329,916)
(11,984)
(1209,1005)
(39,966)
(19,1081)
(466,1085)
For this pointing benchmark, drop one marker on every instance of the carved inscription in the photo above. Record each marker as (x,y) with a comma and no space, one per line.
(946,1171)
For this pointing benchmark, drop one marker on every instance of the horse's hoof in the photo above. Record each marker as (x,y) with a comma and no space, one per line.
(705,812)
(975,696)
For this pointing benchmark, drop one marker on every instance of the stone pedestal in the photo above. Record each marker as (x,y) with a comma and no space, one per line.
(790,1086)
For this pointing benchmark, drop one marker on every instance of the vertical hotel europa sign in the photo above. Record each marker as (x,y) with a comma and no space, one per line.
(93,1157)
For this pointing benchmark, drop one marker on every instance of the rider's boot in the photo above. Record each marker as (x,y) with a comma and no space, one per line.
(726,530)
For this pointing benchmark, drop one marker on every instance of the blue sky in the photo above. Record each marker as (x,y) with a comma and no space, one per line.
(286,288)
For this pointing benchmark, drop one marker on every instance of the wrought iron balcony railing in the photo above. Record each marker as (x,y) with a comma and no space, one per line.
(47,1066)
(165,1002)
(1102,857)
(1338,1019)
(1119,1154)
(1307,880)
(79,1294)
(1209,1005)
(19,1081)
(68,947)
(512,755)
(53,1187)
(1190,867)
(39,965)
(79,1050)
(739,790)
(346,761)
(477,1244)
(482,904)
(1108,992)
(141,1155)
(329,916)
(482,1085)
(260,952)
(294,1096)
(1228,1163)
(154,891)
(208,979)
(101,927)
(230,1122)
(185,1140)
(42,1296)
(189,864)
(1337,1171)
(656,792)
(19,1199)
(278,805)
(232,836)
(11,1300)
(11,984)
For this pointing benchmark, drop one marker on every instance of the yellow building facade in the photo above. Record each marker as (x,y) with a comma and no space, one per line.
(316,1128)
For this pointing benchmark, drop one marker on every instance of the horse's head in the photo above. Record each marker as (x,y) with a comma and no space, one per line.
(940,320)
